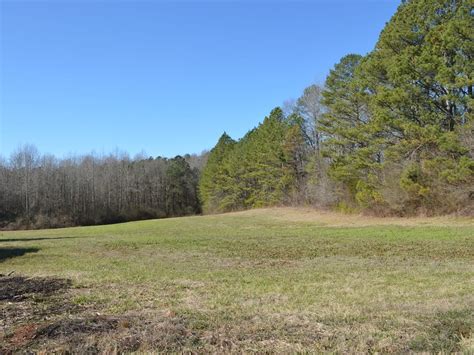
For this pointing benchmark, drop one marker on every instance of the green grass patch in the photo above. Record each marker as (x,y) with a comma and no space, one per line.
(261,282)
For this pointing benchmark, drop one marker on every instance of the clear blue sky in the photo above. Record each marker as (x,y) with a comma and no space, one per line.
(162,77)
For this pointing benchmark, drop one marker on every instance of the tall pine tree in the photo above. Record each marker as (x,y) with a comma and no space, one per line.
(420,80)
(213,183)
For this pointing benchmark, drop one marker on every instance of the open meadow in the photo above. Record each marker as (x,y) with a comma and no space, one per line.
(273,280)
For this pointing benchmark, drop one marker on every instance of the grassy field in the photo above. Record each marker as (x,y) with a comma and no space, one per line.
(265,280)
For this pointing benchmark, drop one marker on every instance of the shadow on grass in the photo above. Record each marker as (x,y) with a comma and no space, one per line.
(8,253)
(36,239)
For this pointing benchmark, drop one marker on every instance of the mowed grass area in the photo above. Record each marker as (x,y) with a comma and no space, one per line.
(278,279)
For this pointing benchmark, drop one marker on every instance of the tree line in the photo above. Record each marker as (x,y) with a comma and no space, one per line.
(391,132)
(41,191)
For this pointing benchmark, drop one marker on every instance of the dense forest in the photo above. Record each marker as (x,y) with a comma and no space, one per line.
(42,191)
(391,132)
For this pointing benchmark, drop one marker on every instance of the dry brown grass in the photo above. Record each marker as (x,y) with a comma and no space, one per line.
(337,219)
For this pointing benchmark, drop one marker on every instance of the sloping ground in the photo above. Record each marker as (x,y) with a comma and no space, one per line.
(335,219)
(269,280)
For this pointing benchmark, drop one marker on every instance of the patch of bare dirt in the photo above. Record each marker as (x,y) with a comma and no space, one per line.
(64,327)
(19,288)
(25,304)
(36,315)
(88,333)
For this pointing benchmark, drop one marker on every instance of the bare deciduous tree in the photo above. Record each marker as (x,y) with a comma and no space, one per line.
(43,191)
